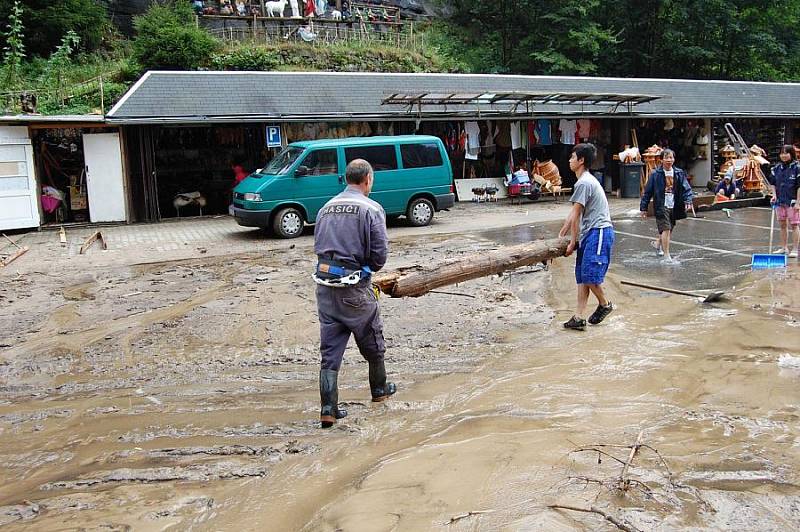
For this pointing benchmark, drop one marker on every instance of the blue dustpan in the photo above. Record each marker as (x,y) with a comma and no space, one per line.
(765,261)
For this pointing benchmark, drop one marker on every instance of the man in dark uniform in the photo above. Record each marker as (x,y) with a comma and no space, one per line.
(350,242)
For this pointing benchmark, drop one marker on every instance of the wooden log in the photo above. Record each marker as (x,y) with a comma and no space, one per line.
(97,235)
(20,252)
(417,280)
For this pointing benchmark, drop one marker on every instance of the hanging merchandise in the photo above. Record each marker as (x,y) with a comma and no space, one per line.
(584,129)
(595,128)
(568,128)
(502,135)
(515,136)
(543,132)
(473,136)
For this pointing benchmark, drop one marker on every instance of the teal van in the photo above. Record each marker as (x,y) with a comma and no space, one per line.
(413,177)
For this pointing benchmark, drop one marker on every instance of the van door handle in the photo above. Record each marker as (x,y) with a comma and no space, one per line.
(341,179)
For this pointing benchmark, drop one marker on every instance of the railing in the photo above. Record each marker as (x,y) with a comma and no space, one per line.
(316,31)
(30,101)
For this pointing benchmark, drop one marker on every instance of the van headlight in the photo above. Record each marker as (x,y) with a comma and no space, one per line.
(252,196)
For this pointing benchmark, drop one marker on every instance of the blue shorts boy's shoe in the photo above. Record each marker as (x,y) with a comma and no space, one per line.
(575,323)
(601,313)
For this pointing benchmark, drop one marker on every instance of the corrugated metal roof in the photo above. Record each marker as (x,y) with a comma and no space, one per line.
(184,97)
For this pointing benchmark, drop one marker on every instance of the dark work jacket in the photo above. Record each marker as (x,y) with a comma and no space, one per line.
(657,183)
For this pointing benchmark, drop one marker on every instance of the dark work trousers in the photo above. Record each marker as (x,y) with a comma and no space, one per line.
(342,311)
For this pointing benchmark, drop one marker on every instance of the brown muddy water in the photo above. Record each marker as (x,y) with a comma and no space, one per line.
(183,396)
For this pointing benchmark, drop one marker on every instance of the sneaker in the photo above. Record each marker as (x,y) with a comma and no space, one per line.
(780,251)
(575,323)
(793,254)
(601,313)
(656,244)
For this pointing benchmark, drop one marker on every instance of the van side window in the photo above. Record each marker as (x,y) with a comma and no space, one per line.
(420,155)
(380,157)
(321,162)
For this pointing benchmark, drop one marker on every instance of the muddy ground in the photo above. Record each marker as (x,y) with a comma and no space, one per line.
(182,395)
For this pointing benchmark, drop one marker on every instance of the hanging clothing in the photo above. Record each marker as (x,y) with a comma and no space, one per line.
(503,134)
(568,128)
(543,132)
(515,136)
(584,130)
(532,140)
(594,129)
(473,135)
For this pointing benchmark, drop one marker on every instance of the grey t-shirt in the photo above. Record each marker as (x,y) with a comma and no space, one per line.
(589,193)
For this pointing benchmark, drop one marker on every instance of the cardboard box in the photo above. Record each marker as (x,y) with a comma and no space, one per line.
(77,199)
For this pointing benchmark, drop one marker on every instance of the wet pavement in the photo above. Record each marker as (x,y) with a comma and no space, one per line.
(712,251)
(182,394)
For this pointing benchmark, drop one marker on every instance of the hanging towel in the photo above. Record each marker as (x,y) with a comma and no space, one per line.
(473,135)
(516,143)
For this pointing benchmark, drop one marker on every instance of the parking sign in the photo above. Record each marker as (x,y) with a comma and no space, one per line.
(273,136)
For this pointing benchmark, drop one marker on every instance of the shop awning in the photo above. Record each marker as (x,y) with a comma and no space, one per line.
(513,101)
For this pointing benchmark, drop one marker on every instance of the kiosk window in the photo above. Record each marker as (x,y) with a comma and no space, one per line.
(420,155)
(380,157)
(321,162)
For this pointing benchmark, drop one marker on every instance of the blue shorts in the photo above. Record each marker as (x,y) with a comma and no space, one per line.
(594,256)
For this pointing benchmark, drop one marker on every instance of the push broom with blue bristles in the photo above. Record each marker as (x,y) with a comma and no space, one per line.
(763,261)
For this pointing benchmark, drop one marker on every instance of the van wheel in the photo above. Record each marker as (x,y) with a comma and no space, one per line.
(288,223)
(420,212)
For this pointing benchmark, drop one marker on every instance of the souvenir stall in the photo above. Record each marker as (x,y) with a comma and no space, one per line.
(196,166)
(80,174)
(690,139)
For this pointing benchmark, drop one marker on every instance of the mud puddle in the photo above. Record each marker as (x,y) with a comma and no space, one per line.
(197,410)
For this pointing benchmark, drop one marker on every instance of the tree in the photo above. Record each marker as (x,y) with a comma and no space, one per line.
(533,36)
(52,19)
(14,50)
(167,38)
(59,61)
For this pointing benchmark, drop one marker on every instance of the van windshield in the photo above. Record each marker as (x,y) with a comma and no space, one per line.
(283,161)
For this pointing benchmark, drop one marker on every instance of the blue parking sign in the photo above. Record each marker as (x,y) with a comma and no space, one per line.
(274,137)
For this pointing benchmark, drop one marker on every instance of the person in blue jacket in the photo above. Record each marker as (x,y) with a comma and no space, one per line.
(672,195)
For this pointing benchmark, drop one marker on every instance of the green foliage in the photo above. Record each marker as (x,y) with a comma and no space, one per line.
(345,57)
(61,60)
(52,19)
(14,50)
(167,38)
(705,39)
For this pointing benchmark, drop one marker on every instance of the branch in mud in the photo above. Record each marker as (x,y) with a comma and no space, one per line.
(468,514)
(201,473)
(621,524)
(419,280)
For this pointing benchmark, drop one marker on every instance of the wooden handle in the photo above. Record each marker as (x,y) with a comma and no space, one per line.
(660,289)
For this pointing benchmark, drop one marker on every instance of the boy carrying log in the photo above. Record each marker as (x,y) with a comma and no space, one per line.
(591,235)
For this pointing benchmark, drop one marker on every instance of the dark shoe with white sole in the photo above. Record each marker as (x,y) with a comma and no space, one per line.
(576,324)
(601,313)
